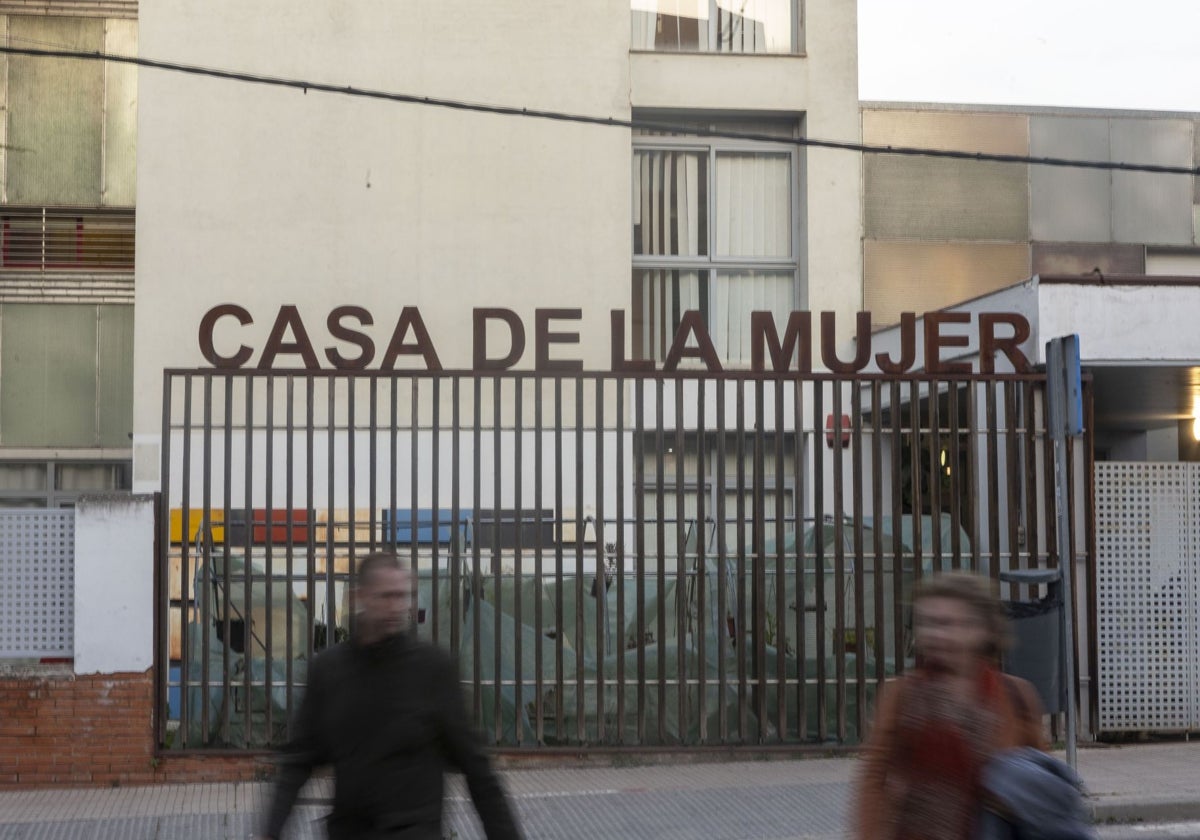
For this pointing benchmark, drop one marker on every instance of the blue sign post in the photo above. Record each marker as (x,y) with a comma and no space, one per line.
(1064,396)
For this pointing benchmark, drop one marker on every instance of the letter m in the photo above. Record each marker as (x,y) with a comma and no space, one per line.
(763,333)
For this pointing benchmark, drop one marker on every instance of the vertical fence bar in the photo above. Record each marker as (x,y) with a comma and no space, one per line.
(1029,450)
(331,572)
(779,631)
(918,484)
(310,581)
(899,625)
(800,500)
(518,558)
(681,588)
(839,561)
(414,493)
(953,462)
(1047,473)
(1012,482)
(758,565)
(700,633)
(186,562)
(331,506)
(289,551)
(268,559)
(162,565)
(818,409)
(877,531)
(497,560)
(620,518)
(933,452)
(660,638)
(208,534)
(226,564)
(741,619)
(559,591)
(457,529)
(639,526)
(974,479)
(580,525)
(538,540)
(993,479)
(476,591)
(601,573)
(435,497)
(722,619)
(860,623)
(373,484)
(247,559)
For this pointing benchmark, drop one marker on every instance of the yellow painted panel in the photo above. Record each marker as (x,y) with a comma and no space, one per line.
(341,526)
(196,517)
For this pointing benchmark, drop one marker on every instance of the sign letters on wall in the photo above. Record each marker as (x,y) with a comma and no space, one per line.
(348,346)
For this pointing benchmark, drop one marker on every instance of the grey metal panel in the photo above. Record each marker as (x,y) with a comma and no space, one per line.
(1150,207)
(940,199)
(1067,204)
(1195,158)
(114,388)
(37,583)
(1062,258)
(120,116)
(920,276)
(958,131)
(48,375)
(55,119)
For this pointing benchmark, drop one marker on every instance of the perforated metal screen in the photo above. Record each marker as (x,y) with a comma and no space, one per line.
(37,583)
(1148,578)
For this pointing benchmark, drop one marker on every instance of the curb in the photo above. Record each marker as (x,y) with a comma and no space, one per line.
(1144,810)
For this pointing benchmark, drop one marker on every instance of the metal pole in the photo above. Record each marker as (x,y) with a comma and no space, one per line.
(1062,368)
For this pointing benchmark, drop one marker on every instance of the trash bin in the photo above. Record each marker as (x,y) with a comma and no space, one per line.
(1036,651)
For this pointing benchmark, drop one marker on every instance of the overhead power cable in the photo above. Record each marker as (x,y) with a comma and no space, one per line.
(615,122)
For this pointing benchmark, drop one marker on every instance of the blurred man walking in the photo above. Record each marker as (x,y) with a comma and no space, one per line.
(387,712)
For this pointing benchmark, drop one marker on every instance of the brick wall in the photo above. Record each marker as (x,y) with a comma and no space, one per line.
(66,730)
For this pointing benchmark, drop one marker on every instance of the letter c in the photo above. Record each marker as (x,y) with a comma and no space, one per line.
(207,323)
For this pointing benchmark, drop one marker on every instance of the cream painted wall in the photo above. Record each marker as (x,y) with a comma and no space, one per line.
(263,196)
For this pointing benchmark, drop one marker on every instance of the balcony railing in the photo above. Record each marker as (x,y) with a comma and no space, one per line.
(44,239)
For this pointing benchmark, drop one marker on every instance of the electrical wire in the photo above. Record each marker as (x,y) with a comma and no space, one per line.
(612,122)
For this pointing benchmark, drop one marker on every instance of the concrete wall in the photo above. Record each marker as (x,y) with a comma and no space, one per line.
(114,584)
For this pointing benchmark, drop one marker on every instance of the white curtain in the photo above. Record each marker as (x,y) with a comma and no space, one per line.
(753,205)
(753,219)
(668,203)
(665,295)
(644,26)
(738,293)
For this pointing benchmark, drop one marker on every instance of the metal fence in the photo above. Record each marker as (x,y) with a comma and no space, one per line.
(627,560)
(1148,582)
(37,584)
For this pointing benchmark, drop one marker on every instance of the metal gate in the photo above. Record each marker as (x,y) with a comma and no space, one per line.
(633,560)
(1148,573)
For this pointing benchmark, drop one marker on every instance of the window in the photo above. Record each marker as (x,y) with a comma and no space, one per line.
(51,239)
(725,26)
(49,484)
(713,230)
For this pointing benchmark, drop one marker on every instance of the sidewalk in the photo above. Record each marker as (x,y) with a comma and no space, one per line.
(803,798)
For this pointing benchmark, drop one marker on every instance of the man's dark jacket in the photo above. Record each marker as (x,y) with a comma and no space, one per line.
(390,718)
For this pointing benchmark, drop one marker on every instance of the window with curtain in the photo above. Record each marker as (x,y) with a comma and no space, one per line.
(713,231)
(725,26)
